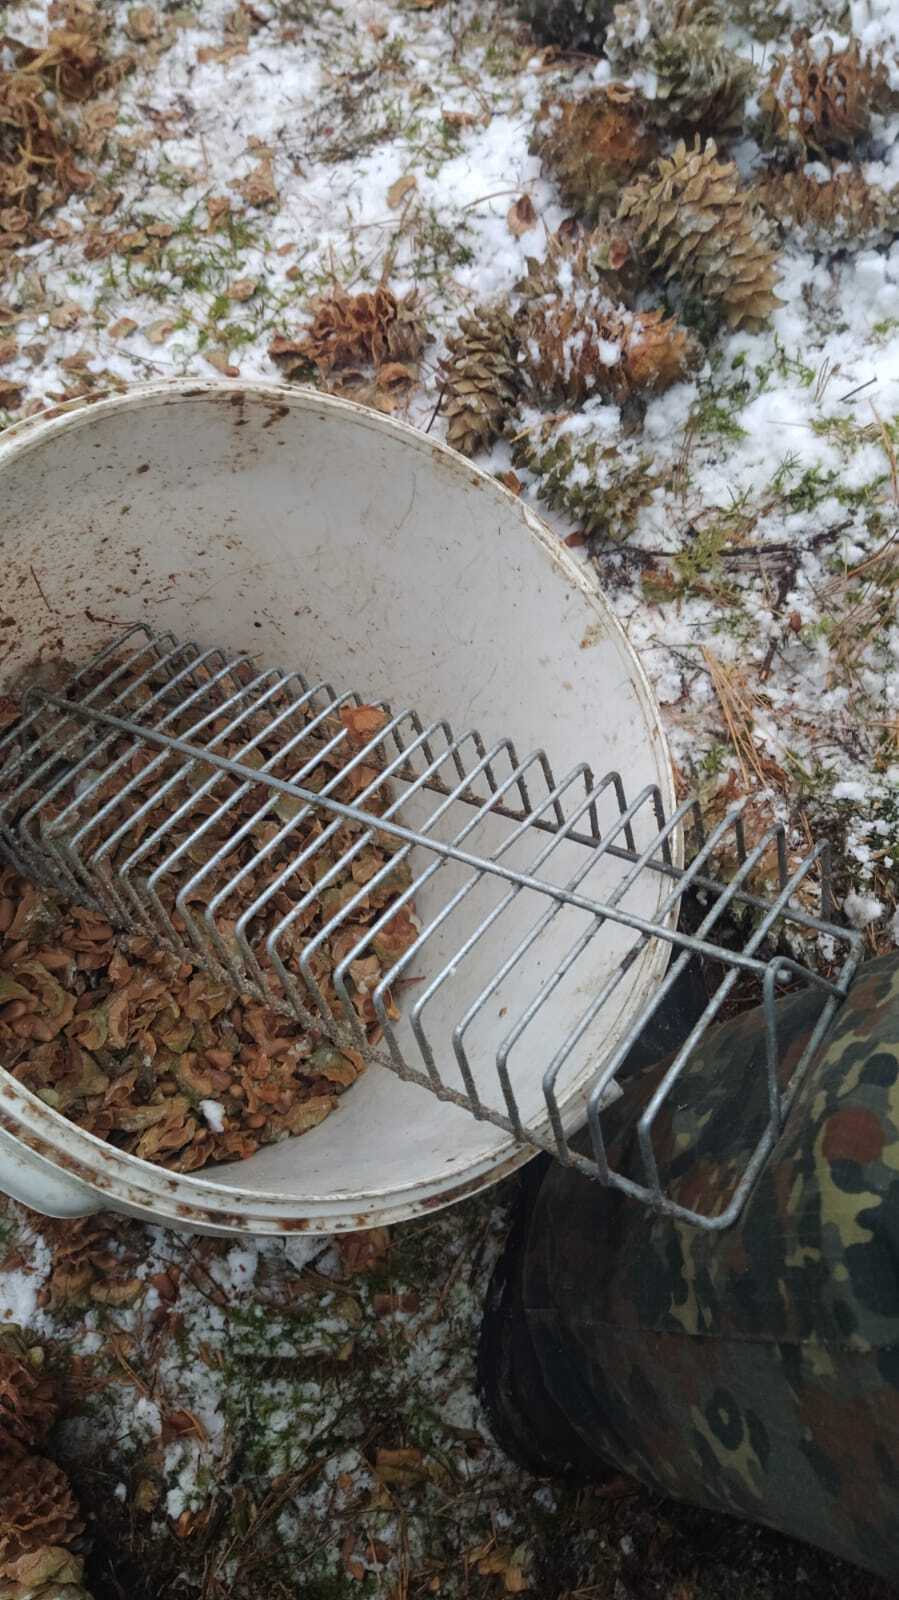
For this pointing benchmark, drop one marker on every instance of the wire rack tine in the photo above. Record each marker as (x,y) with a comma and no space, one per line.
(64,818)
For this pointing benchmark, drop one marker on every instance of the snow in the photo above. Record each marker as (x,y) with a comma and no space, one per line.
(214,1114)
(862,909)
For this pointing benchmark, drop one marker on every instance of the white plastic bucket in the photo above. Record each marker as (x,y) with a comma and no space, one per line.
(326,538)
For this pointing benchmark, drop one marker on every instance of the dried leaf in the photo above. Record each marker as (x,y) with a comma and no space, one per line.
(143,23)
(362,722)
(400,1466)
(158,332)
(395,376)
(398,191)
(243,288)
(360,1252)
(222,363)
(521,216)
(122,328)
(66,316)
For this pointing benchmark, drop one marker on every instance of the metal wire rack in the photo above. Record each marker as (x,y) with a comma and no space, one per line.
(189,795)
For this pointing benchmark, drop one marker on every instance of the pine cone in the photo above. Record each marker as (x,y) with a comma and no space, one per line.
(37,1507)
(49,1573)
(594,145)
(28,1402)
(355,330)
(480,379)
(841,211)
(767,19)
(585,345)
(697,224)
(585,479)
(577,24)
(84,1268)
(604,257)
(699,82)
(821,99)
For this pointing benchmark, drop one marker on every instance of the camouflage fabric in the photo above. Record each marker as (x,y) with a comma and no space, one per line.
(756,1370)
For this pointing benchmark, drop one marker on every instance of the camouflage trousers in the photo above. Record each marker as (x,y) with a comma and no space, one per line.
(753,1371)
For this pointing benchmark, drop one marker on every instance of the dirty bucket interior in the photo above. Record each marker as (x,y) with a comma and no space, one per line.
(325,539)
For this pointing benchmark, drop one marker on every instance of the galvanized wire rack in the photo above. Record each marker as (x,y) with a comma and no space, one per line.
(478,833)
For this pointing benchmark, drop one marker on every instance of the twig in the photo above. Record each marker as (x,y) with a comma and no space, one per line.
(858,390)
(436,411)
(40,591)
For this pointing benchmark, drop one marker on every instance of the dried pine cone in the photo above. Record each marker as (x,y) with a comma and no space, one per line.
(584,345)
(577,23)
(592,146)
(480,379)
(585,479)
(821,99)
(28,1402)
(697,224)
(840,211)
(37,1508)
(355,330)
(604,257)
(699,82)
(49,1573)
(767,19)
(84,1268)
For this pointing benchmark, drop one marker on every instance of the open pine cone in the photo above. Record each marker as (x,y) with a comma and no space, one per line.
(584,478)
(577,23)
(699,82)
(593,145)
(480,379)
(84,1269)
(841,212)
(582,344)
(768,19)
(28,1401)
(821,99)
(37,1508)
(355,330)
(696,223)
(604,257)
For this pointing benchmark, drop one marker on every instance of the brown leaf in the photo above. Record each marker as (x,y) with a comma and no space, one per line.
(386,1305)
(182,1425)
(511,481)
(122,328)
(143,23)
(66,316)
(222,363)
(395,376)
(361,722)
(360,1252)
(398,191)
(158,332)
(8,350)
(521,216)
(10,394)
(400,1466)
(258,187)
(243,288)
